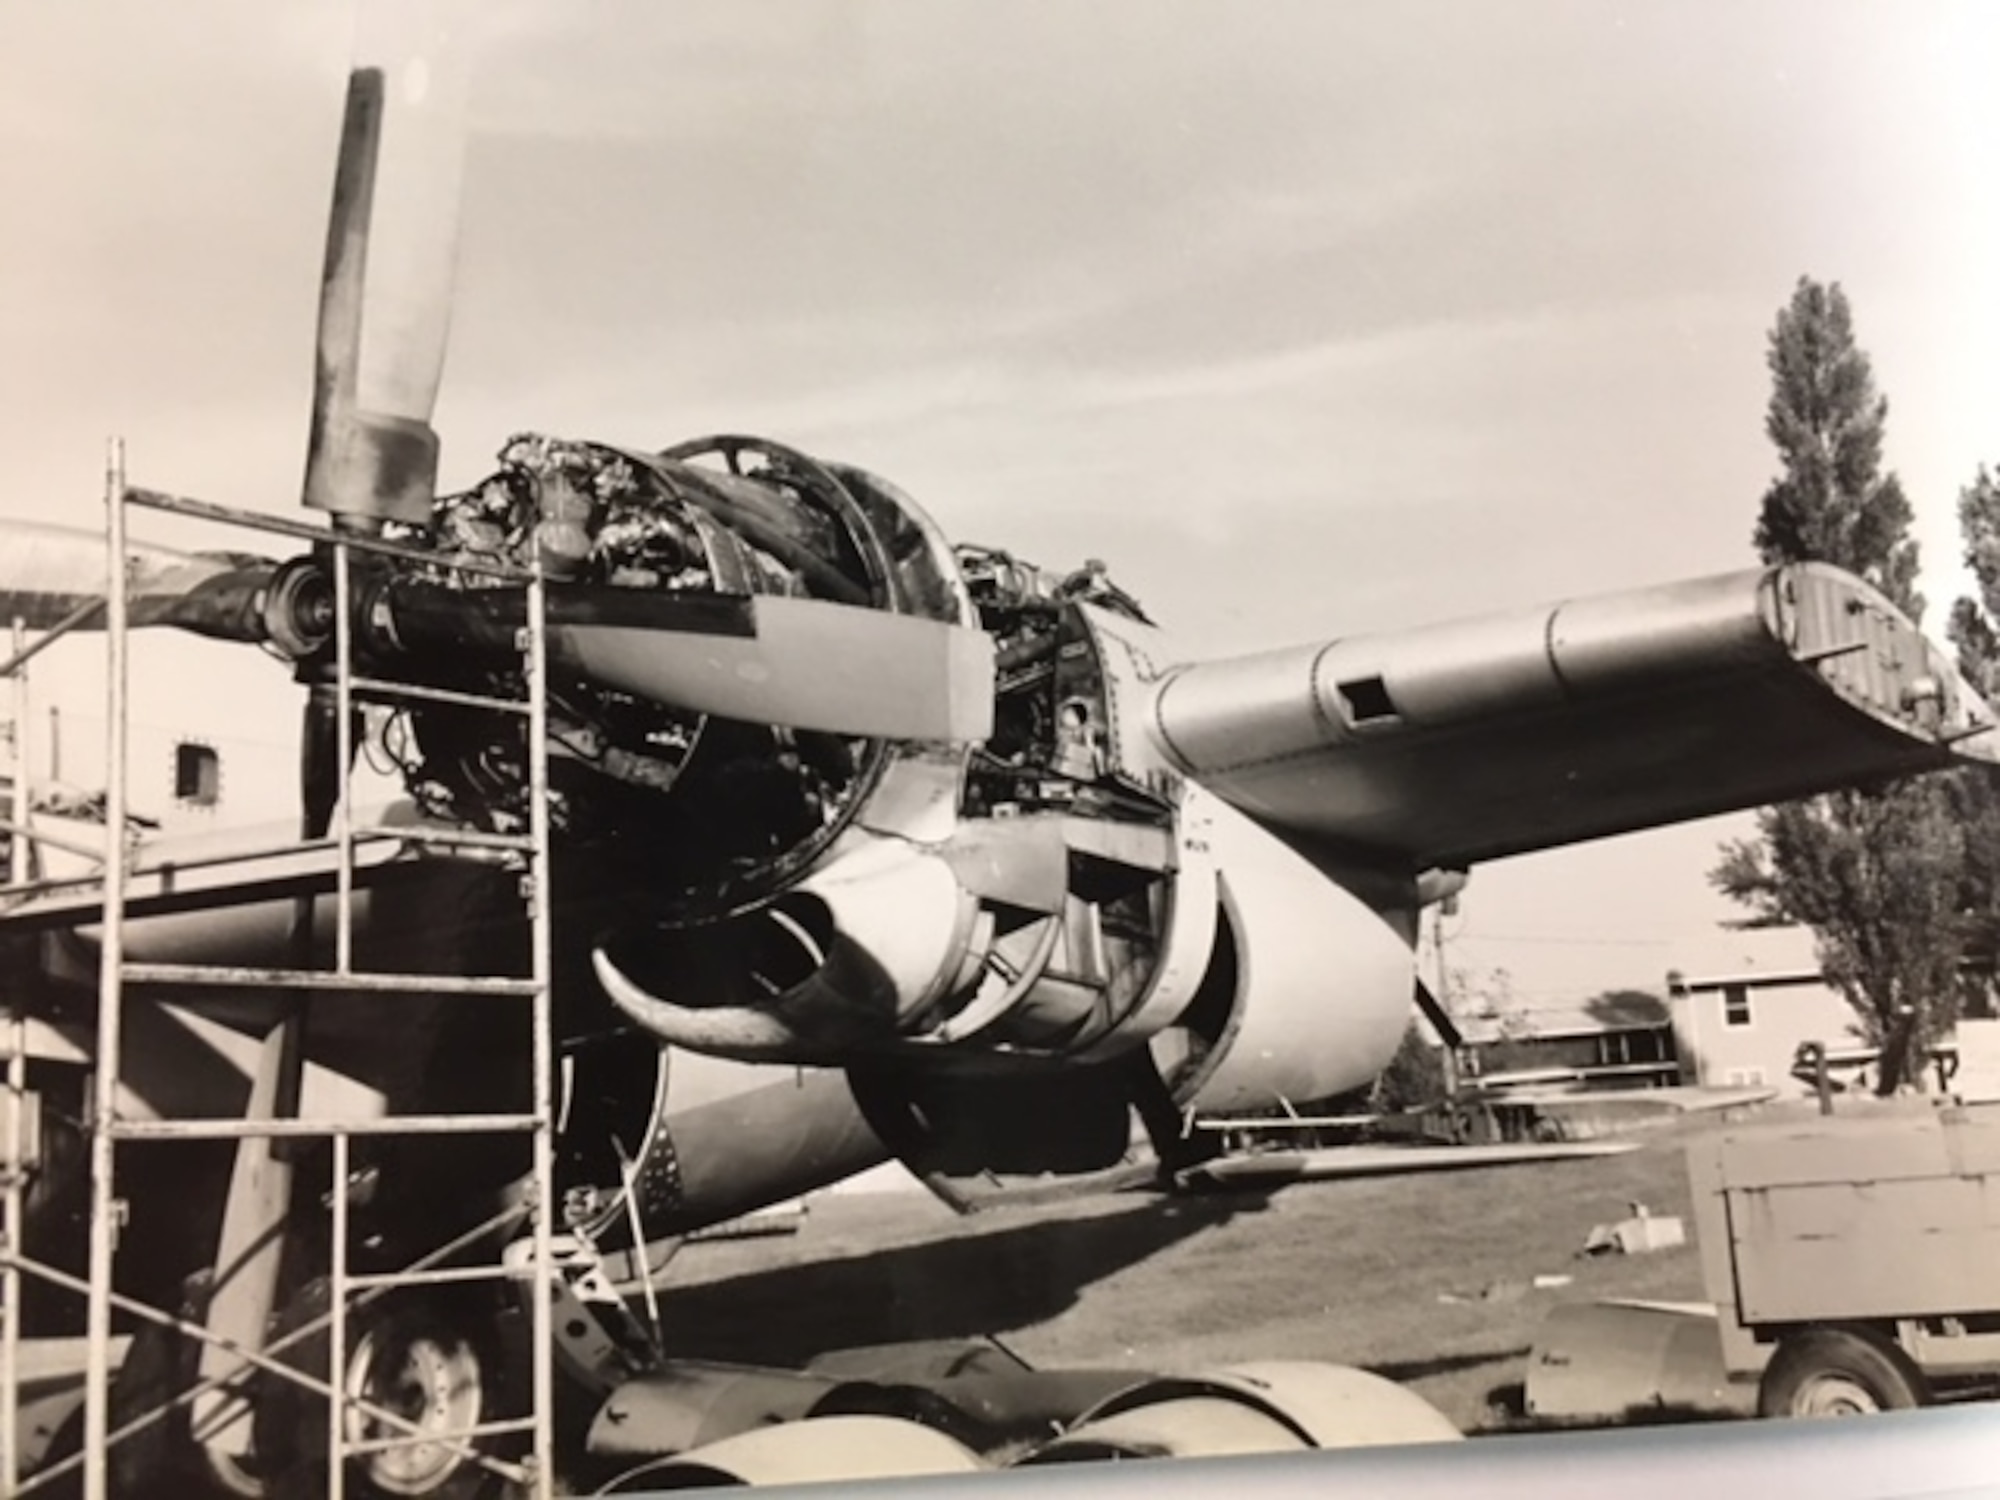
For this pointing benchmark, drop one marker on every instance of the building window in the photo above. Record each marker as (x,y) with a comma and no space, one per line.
(197,774)
(1735,1005)
(1745,1078)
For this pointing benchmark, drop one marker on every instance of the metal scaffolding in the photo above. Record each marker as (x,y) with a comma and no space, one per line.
(515,1249)
(15,1156)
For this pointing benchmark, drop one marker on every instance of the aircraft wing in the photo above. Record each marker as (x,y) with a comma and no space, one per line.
(1333,1163)
(1444,746)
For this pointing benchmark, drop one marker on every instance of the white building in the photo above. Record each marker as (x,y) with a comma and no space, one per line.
(1744,1002)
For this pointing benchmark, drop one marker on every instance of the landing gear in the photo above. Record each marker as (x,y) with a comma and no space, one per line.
(1838,1372)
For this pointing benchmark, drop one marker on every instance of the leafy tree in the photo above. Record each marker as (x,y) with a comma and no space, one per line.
(1972,627)
(1486,994)
(1975,796)
(1877,875)
(1415,1077)
(1877,878)
(1832,502)
(1627,1008)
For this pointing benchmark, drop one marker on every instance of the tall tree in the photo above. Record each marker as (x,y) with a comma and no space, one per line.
(1831,501)
(1972,620)
(1975,792)
(1876,875)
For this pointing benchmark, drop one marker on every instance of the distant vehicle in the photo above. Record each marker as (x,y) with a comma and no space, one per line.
(1853,1265)
(1855,1260)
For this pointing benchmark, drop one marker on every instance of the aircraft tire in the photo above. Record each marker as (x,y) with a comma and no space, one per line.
(428,1355)
(1838,1372)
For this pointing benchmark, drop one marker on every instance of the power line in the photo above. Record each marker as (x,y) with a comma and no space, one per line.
(1551,939)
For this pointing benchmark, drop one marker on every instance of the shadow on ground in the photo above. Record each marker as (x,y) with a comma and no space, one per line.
(1404,1370)
(1508,1406)
(975,1283)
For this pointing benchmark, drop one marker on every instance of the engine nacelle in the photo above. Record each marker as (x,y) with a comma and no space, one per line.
(997,911)
(662,1143)
(1304,993)
(1016,940)
(1013,944)
(1322,983)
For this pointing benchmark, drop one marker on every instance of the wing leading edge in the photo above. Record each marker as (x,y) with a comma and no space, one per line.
(1469,741)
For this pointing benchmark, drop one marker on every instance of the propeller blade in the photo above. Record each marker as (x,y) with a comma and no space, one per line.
(322,776)
(50,573)
(765,658)
(385,295)
(249,1251)
(808,664)
(769,659)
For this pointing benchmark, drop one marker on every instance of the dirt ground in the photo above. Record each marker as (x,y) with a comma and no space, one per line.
(1426,1279)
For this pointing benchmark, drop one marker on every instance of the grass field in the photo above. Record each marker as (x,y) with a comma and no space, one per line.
(1425,1279)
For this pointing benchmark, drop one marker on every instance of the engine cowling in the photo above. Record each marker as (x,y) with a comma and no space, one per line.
(1304,994)
(1013,944)
(1000,909)
(656,1144)
(1323,981)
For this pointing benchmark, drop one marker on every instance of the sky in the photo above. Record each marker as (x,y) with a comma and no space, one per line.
(1309,317)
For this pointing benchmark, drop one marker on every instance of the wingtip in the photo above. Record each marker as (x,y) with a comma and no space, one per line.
(1876,657)
(1975,741)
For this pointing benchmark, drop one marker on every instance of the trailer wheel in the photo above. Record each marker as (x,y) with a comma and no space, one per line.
(1838,1372)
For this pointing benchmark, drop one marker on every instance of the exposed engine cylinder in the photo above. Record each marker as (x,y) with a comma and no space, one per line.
(700,813)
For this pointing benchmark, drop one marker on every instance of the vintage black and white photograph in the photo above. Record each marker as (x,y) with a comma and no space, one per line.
(818,743)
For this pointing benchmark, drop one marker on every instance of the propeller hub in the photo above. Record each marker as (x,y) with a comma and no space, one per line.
(298,609)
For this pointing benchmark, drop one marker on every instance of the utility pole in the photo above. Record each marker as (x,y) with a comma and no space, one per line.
(1447,1045)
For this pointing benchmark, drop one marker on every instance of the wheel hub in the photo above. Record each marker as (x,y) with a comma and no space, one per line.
(1836,1396)
(432,1384)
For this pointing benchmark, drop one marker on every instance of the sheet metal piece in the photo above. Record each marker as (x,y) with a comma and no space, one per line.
(1597,1363)
(690,1403)
(823,1449)
(1271,1407)
(1336,1162)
